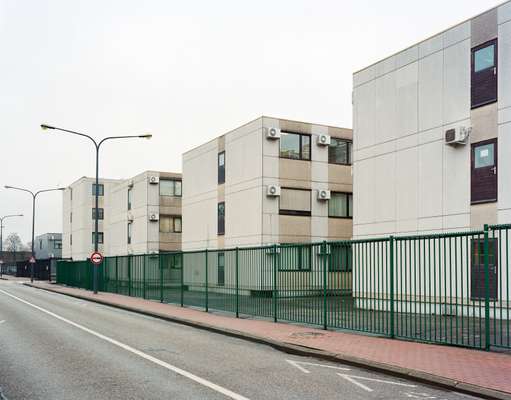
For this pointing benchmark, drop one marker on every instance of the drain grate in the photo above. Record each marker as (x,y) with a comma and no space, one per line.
(307,335)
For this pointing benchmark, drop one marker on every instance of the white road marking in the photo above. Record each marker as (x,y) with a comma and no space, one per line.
(354,379)
(306,371)
(179,371)
(414,395)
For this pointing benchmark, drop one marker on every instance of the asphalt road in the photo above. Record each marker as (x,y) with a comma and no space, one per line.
(57,347)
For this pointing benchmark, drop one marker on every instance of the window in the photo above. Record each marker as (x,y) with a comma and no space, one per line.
(130,227)
(100,237)
(339,151)
(484,77)
(70,217)
(341,258)
(295,145)
(101,189)
(221,269)
(130,198)
(340,205)
(170,187)
(40,244)
(221,167)
(295,202)
(170,224)
(295,258)
(101,213)
(221,219)
(71,239)
(57,244)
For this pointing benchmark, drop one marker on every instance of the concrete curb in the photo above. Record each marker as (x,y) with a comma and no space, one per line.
(418,376)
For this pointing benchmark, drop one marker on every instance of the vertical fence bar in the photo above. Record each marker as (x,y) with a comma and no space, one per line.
(129,275)
(325,259)
(207,299)
(116,274)
(486,289)
(237,284)
(274,283)
(144,276)
(161,277)
(391,270)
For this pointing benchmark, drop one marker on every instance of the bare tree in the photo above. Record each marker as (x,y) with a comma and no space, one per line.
(13,243)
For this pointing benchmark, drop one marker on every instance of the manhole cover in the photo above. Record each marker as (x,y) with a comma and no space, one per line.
(306,334)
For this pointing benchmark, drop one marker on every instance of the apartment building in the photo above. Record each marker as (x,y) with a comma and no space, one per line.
(136,216)
(48,245)
(269,181)
(432,153)
(432,132)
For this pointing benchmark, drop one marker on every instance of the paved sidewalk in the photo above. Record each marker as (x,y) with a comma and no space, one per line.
(480,373)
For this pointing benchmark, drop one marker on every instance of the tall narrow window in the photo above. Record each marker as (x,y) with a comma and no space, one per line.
(130,227)
(221,218)
(100,189)
(484,74)
(130,198)
(221,167)
(221,269)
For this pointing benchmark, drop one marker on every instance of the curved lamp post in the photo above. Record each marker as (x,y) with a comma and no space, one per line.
(34,196)
(97,145)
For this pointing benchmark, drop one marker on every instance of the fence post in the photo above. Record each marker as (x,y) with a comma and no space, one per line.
(391,266)
(116,274)
(275,258)
(237,284)
(161,277)
(129,275)
(143,278)
(207,300)
(182,283)
(325,259)
(486,289)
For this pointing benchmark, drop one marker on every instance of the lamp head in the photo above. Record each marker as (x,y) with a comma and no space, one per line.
(46,127)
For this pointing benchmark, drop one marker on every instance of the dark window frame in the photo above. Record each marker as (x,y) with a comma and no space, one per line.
(101,237)
(473,146)
(129,232)
(101,189)
(57,244)
(221,254)
(304,263)
(301,135)
(297,213)
(349,206)
(175,191)
(101,213)
(173,217)
(220,219)
(130,198)
(336,251)
(350,151)
(221,168)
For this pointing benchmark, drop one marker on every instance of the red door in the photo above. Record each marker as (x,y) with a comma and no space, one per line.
(484,171)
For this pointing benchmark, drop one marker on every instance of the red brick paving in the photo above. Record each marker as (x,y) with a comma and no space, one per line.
(484,369)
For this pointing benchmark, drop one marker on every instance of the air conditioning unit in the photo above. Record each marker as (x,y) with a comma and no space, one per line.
(323,140)
(154,180)
(153,217)
(130,217)
(131,183)
(458,135)
(272,133)
(273,191)
(323,194)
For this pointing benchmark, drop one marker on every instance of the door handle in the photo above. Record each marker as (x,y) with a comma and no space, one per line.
(494,70)
(494,170)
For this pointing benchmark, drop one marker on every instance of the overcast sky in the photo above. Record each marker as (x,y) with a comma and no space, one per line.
(185,71)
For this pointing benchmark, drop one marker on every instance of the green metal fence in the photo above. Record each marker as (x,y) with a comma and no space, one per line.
(449,288)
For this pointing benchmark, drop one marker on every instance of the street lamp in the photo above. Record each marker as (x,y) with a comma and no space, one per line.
(34,196)
(2,237)
(97,145)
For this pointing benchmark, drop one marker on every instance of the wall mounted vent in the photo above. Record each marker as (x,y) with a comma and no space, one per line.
(273,191)
(323,140)
(272,133)
(323,194)
(458,135)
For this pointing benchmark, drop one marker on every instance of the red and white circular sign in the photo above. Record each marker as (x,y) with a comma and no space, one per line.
(32,260)
(96,258)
